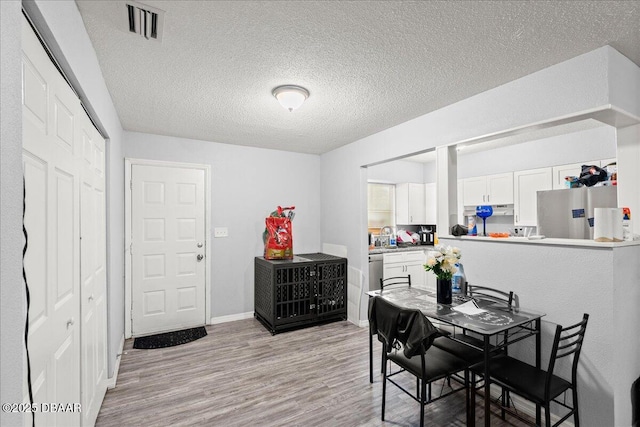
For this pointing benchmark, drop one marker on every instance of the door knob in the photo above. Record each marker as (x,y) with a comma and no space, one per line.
(199,244)
(70,322)
(199,257)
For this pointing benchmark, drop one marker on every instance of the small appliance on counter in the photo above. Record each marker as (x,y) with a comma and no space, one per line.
(426,236)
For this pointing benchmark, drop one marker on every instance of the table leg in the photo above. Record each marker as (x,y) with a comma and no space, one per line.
(471,397)
(370,356)
(487,384)
(538,363)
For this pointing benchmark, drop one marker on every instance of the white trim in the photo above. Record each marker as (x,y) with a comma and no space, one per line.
(128,164)
(363,324)
(111,381)
(231,318)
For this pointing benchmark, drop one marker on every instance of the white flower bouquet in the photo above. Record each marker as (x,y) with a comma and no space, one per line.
(442,261)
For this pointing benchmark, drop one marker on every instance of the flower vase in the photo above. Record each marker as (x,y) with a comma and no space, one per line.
(443,289)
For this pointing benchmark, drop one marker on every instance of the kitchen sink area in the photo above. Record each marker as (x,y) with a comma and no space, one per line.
(382,249)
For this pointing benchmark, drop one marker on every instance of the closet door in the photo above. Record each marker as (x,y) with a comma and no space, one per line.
(93,270)
(65,261)
(51,219)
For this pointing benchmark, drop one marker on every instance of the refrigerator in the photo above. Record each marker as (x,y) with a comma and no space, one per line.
(568,213)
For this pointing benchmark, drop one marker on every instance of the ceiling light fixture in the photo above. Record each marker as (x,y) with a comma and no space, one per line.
(290,96)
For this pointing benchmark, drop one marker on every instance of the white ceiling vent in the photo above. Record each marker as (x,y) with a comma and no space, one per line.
(144,20)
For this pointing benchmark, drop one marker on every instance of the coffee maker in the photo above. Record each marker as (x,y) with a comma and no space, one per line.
(426,235)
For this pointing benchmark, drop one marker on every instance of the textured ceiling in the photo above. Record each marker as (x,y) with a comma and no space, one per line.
(368,65)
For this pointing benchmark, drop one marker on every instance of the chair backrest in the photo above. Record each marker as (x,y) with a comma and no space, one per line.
(490,294)
(567,342)
(394,324)
(395,281)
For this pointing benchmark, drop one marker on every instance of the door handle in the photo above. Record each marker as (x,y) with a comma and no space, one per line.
(70,322)
(199,244)
(199,257)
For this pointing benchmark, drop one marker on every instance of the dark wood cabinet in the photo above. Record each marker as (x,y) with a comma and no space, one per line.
(305,290)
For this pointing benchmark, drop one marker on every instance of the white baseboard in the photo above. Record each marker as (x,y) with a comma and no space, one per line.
(354,321)
(111,382)
(363,324)
(231,318)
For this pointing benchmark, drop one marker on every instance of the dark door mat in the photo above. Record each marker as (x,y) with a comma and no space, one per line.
(170,339)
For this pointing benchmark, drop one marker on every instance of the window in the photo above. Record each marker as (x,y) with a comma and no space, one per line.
(380,206)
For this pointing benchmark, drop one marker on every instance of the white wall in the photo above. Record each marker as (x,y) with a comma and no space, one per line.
(12,313)
(247,185)
(567,89)
(430,172)
(628,139)
(396,172)
(576,147)
(588,145)
(61,25)
(564,283)
(626,317)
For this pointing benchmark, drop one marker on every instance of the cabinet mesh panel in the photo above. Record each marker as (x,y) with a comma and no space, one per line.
(331,287)
(262,295)
(293,292)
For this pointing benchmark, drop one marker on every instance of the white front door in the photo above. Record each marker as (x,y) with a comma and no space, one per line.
(167,248)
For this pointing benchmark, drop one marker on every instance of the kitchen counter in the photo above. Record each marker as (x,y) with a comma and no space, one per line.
(379,250)
(450,240)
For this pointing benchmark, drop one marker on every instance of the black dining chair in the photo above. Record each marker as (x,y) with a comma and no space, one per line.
(394,282)
(542,386)
(490,295)
(466,346)
(407,336)
(398,281)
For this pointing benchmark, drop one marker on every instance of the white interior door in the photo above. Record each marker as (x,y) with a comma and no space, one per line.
(51,261)
(167,248)
(93,269)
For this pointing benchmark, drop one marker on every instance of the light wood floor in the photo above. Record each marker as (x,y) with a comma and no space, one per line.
(241,375)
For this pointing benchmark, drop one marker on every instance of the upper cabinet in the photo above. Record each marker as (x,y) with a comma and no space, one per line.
(474,191)
(430,199)
(410,203)
(526,185)
(488,190)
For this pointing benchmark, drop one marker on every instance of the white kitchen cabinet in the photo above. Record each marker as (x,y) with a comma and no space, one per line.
(474,191)
(430,281)
(500,189)
(526,185)
(431,200)
(403,263)
(488,190)
(573,169)
(410,203)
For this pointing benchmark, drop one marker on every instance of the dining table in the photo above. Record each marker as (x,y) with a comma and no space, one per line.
(498,327)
